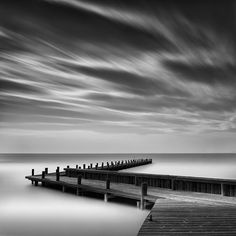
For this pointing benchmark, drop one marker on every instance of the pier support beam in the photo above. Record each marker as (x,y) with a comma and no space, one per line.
(108,184)
(138,204)
(106,197)
(143,193)
(79,178)
(80,192)
(63,188)
(222,189)
(46,171)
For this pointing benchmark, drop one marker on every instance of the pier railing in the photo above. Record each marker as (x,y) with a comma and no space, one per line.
(224,187)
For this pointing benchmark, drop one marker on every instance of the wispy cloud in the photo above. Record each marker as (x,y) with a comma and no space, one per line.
(114,67)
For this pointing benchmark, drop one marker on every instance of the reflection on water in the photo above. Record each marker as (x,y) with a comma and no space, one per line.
(27,210)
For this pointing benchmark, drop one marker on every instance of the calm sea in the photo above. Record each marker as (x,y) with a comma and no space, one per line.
(26,210)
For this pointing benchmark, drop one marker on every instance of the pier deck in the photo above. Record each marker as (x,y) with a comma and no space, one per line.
(175,217)
(182,205)
(94,186)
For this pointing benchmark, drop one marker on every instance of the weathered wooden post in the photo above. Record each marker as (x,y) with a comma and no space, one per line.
(91,165)
(46,171)
(32,173)
(84,166)
(105,197)
(57,175)
(43,174)
(108,183)
(138,204)
(36,183)
(102,165)
(79,167)
(76,166)
(63,188)
(143,193)
(67,171)
(43,177)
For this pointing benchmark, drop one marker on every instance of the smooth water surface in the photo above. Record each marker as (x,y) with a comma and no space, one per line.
(26,210)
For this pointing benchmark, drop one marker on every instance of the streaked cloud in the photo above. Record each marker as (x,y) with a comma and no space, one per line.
(145,68)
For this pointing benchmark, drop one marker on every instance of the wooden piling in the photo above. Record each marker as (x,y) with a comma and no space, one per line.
(43,177)
(63,188)
(46,171)
(76,166)
(32,173)
(138,204)
(84,166)
(143,193)
(108,183)
(105,197)
(57,175)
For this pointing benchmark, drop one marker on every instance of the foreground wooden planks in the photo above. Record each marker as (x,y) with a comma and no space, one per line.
(174,217)
(174,212)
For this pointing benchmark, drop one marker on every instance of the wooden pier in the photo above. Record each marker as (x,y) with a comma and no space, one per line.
(225,187)
(182,205)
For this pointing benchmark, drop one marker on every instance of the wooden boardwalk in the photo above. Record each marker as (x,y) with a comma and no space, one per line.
(177,210)
(94,186)
(175,217)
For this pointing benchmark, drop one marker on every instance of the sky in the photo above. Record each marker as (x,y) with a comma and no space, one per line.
(117,76)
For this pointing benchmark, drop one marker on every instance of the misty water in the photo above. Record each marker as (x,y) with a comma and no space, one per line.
(27,210)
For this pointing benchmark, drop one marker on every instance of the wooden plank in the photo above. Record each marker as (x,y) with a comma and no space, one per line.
(174,217)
